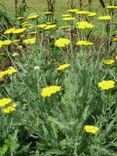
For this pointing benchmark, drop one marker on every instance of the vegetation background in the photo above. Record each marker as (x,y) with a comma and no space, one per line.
(54,126)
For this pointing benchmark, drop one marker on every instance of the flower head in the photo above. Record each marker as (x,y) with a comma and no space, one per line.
(20,18)
(72,10)
(104,18)
(5,101)
(114,39)
(9,31)
(18,31)
(108,61)
(10,108)
(68,19)
(66,15)
(111,7)
(30,41)
(106,84)
(48,13)
(62,42)
(10,71)
(84,25)
(41,26)
(48,91)
(84,43)
(2,74)
(7,105)
(91,129)
(32,17)
(64,66)
(91,14)
(50,27)
(82,12)
(6,42)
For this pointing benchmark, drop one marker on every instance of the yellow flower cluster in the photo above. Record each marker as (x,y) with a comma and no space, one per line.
(48,13)
(51,26)
(72,10)
(19,30)
(48,91)
(20,18)
(5,42)
(83,12)
(47,26)
(108,61)
(62,42)
(84,43)
(84,25)
(14,31)
(30,41)
(7,105)
(64,66)
(9,31)
(111,7)
(104,18)
(66,15)
(41,26)
(9,71)
(91,129)
(114,39)
(91,14)
(106,84)
(68,19)
(32,17)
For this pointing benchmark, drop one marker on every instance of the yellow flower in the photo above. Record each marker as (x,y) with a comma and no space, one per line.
(2,74)
(32,32)
(10,71)
(108,61)
(21,36)
(66,15)
(18,31)
(9,31)
(20,18)
(111,7)
(84,43)
(91,129)
(62,42)
(91,14)
(84,25)
(9,108)
(48,91)
(41,26)
(114,39)
(49,23)
(106,84)
(1,44)
(5,101)
(72,10)
(68,18)
(32,17)
(48,13)
(64,66)
(27,25)
(104,18)
(116,58)
(49,27)
(30,41)
(6,42)
(82,12)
